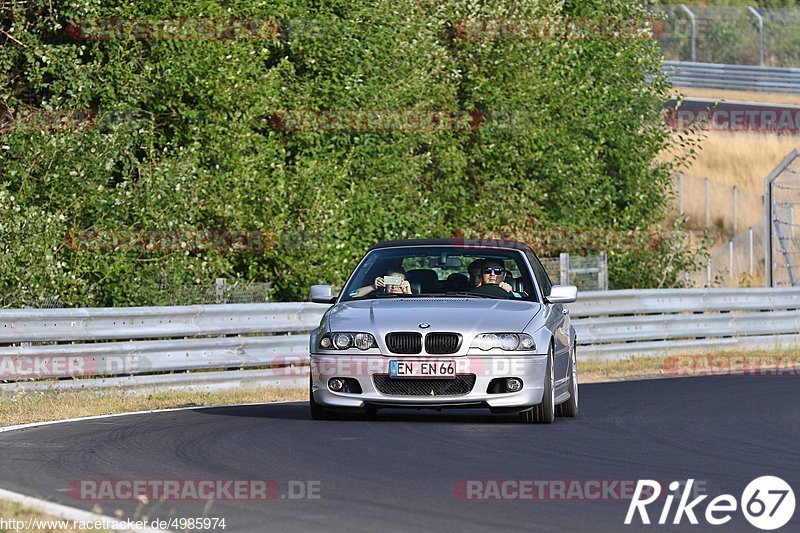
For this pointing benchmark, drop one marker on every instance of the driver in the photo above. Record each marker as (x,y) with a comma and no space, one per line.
(492,276)
(494,273)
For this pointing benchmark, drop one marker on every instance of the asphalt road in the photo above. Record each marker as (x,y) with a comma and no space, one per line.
(736,116)
(404,470)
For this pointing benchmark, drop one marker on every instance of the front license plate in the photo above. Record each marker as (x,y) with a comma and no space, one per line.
(422,369)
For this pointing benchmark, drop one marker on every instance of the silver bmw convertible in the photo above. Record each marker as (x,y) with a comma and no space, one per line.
(446,323)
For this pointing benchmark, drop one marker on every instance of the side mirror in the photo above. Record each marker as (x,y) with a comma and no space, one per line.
(322,294)
(562,294)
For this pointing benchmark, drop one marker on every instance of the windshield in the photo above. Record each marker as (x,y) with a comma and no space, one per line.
(441,271)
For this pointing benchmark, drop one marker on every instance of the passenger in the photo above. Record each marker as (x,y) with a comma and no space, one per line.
(474,270)
(379,283)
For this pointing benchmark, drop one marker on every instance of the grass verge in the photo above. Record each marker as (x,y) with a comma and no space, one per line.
(26,519)
(25,407)
(757,363)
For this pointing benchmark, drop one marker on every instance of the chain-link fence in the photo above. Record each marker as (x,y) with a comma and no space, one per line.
(782,194)
(738,262)
(707,203)
(222,292)
(588,273)
(733,35)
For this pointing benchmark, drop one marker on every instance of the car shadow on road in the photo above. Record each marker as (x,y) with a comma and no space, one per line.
(299,411)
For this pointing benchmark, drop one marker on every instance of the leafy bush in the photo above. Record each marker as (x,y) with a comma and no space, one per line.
(182,136)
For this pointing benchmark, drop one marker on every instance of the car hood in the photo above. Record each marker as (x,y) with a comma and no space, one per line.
(463,315)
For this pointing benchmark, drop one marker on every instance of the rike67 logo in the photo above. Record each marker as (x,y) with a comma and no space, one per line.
(767,503)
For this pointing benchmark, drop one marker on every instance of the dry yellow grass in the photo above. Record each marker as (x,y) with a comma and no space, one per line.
(747,96)
(741,159)
(25,407)
(14,511)
(755,363)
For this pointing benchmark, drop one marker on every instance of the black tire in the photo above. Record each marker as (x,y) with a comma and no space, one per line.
(544,413)
(570,407)
(317,411)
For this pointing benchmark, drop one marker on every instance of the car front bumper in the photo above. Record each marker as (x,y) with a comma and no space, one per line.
(531,369)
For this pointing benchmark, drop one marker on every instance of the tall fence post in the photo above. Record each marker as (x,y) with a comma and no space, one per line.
(765,203)
(694,31)
(760,34)
(730,260)
(563,263)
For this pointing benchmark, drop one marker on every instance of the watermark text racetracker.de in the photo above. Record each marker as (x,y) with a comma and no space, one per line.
(42,366)
(155,490)
(548,489)
(771,119)
(733,365)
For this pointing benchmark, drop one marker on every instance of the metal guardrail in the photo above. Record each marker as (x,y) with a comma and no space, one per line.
(257,344)
(732,77)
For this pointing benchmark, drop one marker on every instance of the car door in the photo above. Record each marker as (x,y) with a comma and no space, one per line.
(557,320)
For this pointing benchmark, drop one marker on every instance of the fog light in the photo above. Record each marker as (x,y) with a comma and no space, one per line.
(336,384)
(513,384)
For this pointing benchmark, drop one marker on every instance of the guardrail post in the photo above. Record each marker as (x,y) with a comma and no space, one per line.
(602,275)
(760,34)
(694,31)
(563,263)
(219,290)
(708,273)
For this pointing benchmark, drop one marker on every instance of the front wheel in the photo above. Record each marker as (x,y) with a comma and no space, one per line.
(544,413)
(318,412)
(570,407)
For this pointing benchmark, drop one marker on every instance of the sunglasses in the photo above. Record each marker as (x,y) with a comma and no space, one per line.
(496,271)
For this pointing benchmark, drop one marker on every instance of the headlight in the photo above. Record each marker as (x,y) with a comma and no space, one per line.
(343,341)
(505,341)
